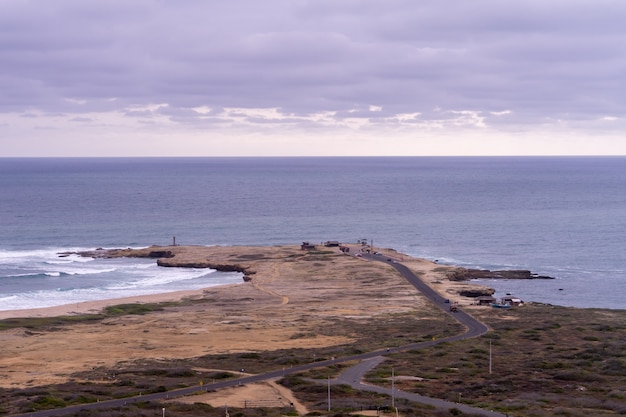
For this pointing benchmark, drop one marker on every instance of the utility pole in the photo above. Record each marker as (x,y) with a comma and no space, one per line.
(490,356)
(328,392)
(393,396)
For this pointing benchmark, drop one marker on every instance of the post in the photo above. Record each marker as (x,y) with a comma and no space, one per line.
(163,411)
(328,392)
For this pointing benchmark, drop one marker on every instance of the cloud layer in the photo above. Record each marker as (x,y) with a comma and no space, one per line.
(159,77)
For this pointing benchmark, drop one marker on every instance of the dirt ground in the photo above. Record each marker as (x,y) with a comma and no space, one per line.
(260,394)
(290,291)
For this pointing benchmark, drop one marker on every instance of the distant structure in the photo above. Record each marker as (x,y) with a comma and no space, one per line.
(307,246)
(485,300)
(331,243)
(512,301)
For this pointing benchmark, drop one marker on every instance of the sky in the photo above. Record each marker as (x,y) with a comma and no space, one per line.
(312,77)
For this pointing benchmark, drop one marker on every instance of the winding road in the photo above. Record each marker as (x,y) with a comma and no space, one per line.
(351,376)
(354,375)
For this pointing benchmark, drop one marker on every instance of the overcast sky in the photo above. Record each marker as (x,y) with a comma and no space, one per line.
(312,77)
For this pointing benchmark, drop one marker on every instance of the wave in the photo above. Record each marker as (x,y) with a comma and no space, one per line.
(161,278)
(49,255)
(70,295)
(42,253)
(86,271)
(44,278)
(7,298)
(57,273)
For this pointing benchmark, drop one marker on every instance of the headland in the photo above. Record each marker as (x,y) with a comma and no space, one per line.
(294,302)
(286,292)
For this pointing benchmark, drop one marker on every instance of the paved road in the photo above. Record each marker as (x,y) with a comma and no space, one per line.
(474,329)
(352,376)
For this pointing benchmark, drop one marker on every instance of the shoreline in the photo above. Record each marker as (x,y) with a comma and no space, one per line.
(292,294)
(195,256)
(96,306)
(297,304)
(546,289)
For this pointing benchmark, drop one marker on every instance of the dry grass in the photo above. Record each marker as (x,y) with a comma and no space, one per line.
(300,307)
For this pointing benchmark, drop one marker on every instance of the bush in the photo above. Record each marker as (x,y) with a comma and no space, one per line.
(48,402)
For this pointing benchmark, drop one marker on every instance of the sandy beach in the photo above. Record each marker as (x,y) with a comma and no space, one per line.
(288,291)
(96,306)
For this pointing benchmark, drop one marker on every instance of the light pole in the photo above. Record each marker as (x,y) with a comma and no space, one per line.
(163,411)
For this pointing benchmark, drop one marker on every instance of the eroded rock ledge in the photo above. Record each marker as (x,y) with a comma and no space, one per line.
(172,262)
(167,257)
(464,274)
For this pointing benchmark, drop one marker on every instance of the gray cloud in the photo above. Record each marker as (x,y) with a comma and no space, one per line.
(540,61)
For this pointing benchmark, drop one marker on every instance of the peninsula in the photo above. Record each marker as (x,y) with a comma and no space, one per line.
(297,306)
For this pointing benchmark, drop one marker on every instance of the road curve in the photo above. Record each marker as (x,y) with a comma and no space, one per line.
(353,375)
(474,328)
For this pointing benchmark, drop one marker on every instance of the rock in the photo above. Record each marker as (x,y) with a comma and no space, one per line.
(464,274)
(160,254)
(173,263)
(167,257)
(477,292)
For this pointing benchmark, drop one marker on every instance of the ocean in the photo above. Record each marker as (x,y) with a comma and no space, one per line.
(563,217)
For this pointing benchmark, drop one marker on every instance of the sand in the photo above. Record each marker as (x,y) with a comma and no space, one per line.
(290,292)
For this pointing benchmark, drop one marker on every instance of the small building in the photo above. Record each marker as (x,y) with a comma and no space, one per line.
(485,300)
(331,243)
(512,301)
(307,246)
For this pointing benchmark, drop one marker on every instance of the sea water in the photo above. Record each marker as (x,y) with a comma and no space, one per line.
(563,217)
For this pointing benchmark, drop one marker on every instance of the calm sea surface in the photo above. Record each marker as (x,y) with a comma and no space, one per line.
(564,217)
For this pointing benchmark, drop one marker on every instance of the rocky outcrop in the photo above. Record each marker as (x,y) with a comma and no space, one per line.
(167,257)
(120,253)
(464,274)
(173,263)
(477,292)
